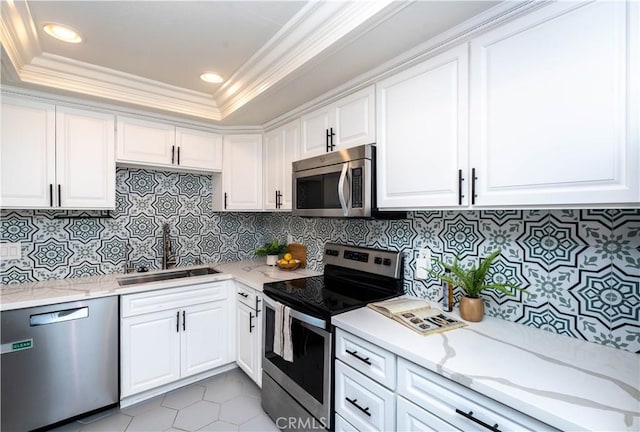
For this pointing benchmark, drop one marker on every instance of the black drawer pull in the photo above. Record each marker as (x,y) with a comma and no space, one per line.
(251,326)
(178,322)
(245,295)
(50,195)
(178,155)
(470,416)
(225,200)
(184,321)
(59,196)
(353,402)
(173,154)
(473,186)
(355,354)
(460,180)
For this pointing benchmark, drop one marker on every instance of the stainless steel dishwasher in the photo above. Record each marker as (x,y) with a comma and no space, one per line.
(58,362)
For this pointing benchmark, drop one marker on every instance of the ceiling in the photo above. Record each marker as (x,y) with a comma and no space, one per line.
(273,55)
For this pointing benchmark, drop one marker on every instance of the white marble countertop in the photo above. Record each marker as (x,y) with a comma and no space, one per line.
(250,272)
(565,382)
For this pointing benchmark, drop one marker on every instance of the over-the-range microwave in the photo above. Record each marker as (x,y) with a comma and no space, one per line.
(338,184)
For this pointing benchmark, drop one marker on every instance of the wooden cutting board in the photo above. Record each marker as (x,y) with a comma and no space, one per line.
(298,252)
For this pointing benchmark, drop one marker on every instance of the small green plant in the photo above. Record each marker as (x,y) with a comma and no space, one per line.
(272,248)
(472,280)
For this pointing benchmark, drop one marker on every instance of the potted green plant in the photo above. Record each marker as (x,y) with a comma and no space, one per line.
(272,250)
(472,281)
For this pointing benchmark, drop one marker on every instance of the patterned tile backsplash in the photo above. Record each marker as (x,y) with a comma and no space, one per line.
(580,268)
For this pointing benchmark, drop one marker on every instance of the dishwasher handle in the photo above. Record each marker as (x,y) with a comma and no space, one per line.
(58,316)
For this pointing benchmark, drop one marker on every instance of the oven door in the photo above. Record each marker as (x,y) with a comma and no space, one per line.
(340,190)
(308,377)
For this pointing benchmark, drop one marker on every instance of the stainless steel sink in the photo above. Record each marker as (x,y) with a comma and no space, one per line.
(155,277)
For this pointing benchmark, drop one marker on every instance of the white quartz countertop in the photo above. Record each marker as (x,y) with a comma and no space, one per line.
(251,272)
(565,382)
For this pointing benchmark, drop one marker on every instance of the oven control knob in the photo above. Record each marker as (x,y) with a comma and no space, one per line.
(386,261)
(377,260)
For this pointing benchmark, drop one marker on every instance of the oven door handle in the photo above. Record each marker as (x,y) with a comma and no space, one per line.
(344,202)
(311,320)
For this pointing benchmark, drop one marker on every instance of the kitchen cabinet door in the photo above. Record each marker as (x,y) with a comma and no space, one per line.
(246,347)
(280,150)
(411,418)
(422,134)
(242,174)
(198,150)
(314,128)
(204,333)
(150,351)
(355,119)
(85,159)
(27,156)
(554,107)
(143,142)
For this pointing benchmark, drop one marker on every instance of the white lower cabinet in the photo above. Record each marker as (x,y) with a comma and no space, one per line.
(249,331)
(187,333)
(417,399)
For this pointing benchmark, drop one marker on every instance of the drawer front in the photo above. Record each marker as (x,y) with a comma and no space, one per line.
(450,401)
(341,425)
(362,402)
(246,295)
(155,301)
(373,361)
(413,419)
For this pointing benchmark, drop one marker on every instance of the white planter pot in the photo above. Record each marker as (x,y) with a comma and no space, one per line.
(272,260)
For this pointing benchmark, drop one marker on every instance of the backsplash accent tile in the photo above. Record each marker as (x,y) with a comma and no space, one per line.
(59,248)
(580,268)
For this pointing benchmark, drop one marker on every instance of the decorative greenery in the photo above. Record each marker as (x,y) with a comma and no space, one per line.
(472,280)
(272,248)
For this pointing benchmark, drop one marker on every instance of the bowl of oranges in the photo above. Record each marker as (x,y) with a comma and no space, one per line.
(288,262)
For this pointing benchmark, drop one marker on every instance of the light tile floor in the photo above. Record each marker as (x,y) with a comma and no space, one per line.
(226,402)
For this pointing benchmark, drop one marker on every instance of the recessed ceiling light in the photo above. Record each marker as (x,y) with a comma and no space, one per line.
(63,33)
(211,77)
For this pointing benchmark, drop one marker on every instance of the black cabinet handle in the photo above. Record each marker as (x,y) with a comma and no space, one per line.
(178,155)
(353,402)
(331,135)
(470,416)
(473,185)
(326,140)
(355,354)
(225,200)
(257,306)
(277,199)
(50,194)
(245,295)
(173,152)
(178,322)
(59,196)
(460,180)
(251,326)
(184,321)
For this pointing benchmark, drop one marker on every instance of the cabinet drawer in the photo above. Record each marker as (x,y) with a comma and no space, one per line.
(444,398)
(373,361)
(362,402)
(412,418)
(247,296)
(154,301)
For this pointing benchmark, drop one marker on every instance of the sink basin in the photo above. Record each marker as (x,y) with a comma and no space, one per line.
(155,277)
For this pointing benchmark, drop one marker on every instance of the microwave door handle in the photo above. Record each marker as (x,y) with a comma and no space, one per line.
(343,179)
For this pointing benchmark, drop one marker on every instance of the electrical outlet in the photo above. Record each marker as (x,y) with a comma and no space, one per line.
(10,251)
(423,263)
(289,239)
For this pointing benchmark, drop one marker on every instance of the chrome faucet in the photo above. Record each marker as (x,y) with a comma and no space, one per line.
(168,257)
(128,267)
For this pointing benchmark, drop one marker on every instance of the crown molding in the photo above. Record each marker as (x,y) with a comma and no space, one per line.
(18,33)
(79,77)
(315,28)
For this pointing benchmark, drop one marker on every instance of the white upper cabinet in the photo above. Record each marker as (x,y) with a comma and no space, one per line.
(199,149)
(153,144)
(346,123)
(280,150)
(554,107)
(145,142)
(241,188)
(56,157)
(422,134)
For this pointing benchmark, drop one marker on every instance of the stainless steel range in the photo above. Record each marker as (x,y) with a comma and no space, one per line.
(297,394)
